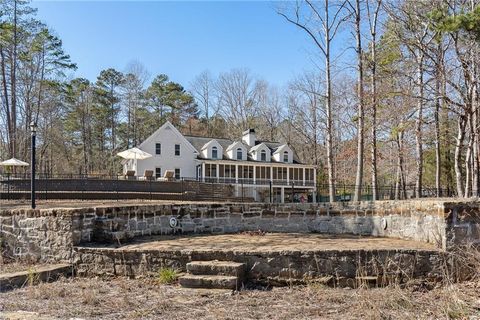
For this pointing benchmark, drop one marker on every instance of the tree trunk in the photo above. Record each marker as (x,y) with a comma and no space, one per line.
(469,157)
(418,129)
(13,85)
(373,85)
(328,107)
(458,152)
(360,123)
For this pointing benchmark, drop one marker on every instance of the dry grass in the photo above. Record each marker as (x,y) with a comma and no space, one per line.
(121,298)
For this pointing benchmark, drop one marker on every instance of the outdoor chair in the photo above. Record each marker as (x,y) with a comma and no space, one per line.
(169,176)
(130,175)
(147,175)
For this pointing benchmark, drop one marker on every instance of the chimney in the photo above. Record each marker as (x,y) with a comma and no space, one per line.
(249,137)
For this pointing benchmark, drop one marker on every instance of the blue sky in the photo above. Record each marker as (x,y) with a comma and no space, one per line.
(180,39)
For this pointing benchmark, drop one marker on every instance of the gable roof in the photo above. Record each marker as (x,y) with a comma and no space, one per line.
(170,126)
(209,143)
(281,148)
(259,146)
(236,144)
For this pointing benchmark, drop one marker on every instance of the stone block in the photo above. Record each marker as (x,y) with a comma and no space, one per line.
(251,214)
(267,213)
(209,214)
(221,214)
(282,214)
(236,209)
(188,227)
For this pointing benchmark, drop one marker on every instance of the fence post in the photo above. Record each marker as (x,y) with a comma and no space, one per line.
(8,186)
(83,187)
(150,187)
(293,192)
(46,186)
(213,191)
(183,198)
(243,200)
(270,190)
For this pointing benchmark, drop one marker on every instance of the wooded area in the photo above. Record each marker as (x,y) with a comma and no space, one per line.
(402,111)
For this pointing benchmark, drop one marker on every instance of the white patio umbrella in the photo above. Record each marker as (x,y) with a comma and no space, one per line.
(134,154)
(13,163)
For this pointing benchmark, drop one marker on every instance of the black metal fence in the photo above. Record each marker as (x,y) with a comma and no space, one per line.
(119,187)
(345,192)
(112,187)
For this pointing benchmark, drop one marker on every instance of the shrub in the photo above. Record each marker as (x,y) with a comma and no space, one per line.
(167,275)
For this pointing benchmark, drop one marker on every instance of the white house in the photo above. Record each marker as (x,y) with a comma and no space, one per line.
(244,163)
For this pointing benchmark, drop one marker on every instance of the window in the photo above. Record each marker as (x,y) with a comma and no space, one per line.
(158,173)
(262,173)
(158,148)
(177,173)
(210,170)
(285,156)
(263,155)
(226,171)
(239,154)
(177,149)
(214,153)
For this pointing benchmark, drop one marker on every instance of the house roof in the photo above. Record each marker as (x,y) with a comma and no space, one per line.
(261,145)
(236,144)
(209,143)
(282,148)
(199,142)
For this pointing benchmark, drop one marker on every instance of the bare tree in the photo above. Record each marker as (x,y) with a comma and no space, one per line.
(321,22)
(373,23)
(203,89)
(237,98)
(357,15)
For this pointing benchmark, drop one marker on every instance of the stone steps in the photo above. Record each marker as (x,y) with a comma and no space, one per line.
(209,281)
(36,275)
(213,275)
(215,267)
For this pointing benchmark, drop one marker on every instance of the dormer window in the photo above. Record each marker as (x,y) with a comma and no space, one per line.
(239,154)
(285,156)
(214,153)
(263,155)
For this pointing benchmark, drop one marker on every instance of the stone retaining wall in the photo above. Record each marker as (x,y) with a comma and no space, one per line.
(274,267)
(51,234)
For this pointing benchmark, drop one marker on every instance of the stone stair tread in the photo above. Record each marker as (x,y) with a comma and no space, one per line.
(209,281)
(217,263)
(216,267)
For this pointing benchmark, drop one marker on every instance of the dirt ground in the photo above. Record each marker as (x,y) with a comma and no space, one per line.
(121,298)
(268,242)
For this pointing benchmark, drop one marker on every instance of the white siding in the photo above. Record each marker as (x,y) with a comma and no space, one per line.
(167,160)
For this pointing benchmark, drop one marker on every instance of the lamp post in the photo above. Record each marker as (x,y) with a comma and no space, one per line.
(33,130)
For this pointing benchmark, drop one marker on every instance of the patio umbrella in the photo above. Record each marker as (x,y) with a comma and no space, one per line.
(13,163)
(134,154)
